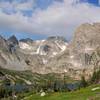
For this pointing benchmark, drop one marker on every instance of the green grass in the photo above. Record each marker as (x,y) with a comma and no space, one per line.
(82,94)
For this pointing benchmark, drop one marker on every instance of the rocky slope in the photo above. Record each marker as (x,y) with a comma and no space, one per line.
(54,55)
(27,54)
(82,56)
(50,47)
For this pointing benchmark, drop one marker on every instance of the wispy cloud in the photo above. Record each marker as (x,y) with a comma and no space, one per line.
(11,6)
(60,18)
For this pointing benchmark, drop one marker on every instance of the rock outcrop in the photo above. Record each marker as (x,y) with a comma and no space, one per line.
(55,55)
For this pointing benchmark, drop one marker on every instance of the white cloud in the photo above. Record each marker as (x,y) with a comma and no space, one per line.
(59,18)
(15,22)
(17,6)
(25,5)
(4,5)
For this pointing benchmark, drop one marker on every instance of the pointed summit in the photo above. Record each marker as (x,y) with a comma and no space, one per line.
(53,38)
(27,40)
(3,43)
(13,40)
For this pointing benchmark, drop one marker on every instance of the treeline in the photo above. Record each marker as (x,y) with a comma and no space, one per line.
(96,77)
(62,85)
(47,86)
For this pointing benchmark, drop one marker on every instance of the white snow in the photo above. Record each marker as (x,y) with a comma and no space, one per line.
(54,53)
(27,46)
(38,49)
(58,45)
(43,40)
(45,61)
(23,45)
(71,56)
(37,41)
(65,71)
(61,47)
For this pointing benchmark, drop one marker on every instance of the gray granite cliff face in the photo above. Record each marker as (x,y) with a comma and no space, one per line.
(54,55)
(82,55)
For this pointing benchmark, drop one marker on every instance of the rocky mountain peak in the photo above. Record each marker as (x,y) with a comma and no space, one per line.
(3,43)
(54,54)
(89,30)
(27,40)
(13,40)
(86,35)
(53,38)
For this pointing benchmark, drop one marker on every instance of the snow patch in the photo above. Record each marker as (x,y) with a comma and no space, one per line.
(54,53)
(39,48)
(61,47)
(44,61)
(71,56)
(43,40)
(37,41)
(65,71)
(24,46)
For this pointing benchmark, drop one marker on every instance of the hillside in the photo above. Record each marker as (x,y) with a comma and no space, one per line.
(89,93)
(81,56)
(51,64)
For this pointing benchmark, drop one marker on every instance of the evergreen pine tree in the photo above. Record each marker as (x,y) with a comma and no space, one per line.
(83,82)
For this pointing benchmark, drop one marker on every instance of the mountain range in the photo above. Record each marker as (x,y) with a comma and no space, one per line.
(80,56)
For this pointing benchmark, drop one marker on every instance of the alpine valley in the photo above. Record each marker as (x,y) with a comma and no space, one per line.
(54,55)
(36,62)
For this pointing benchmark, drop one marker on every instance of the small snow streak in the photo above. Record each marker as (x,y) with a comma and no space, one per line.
(24,46)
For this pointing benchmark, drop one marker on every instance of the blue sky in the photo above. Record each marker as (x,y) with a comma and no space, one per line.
(94,1)
(39,19)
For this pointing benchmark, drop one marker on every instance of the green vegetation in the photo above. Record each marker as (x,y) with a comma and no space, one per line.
(84,83)
(96,77)
(34,77)
(56,87)
(15,82)
(82,94)
(85,91)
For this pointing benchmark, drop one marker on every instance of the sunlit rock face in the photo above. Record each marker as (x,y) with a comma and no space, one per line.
(27,54)
(86,40)
(83,52)
(49,47)
(3,44)
(55,55)
(86,36)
